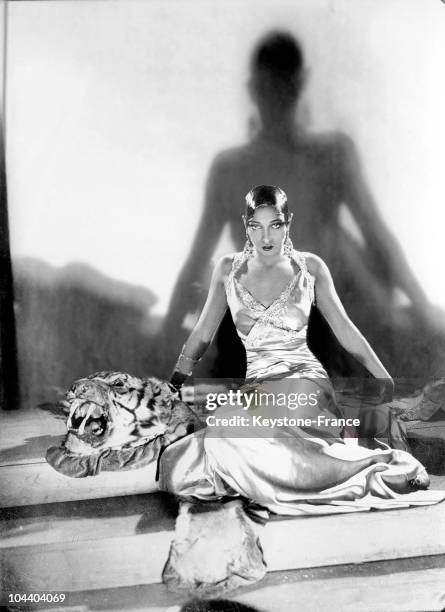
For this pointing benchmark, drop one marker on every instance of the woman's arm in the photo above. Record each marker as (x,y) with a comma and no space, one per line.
(344,329)
(204,330)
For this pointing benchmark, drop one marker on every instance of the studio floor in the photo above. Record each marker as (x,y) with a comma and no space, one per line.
(104,541)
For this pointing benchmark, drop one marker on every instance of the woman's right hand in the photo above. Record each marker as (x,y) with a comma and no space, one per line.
(177,380)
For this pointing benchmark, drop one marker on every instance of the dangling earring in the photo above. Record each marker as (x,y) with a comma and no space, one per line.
(288,247)
(248,248)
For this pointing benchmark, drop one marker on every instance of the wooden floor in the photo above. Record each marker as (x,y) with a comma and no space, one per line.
(104,541)
(388,586)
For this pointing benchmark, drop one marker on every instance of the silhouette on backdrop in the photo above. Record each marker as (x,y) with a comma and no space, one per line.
(321,173)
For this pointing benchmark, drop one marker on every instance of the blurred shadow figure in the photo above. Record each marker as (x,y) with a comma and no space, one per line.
(73,321)
(321,174)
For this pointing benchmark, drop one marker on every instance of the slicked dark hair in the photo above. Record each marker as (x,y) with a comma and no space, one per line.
(266,195)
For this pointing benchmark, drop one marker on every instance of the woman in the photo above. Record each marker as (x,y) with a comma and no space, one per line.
(284,465)
(324,171)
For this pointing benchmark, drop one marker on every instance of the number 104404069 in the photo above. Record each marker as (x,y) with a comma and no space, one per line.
(50,597)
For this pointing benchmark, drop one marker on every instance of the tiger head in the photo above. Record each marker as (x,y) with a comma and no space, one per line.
(115,409)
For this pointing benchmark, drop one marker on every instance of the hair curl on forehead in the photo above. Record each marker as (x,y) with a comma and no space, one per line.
(266,195)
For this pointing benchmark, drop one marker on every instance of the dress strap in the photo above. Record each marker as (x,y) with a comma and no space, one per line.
(237,261)
(300,260)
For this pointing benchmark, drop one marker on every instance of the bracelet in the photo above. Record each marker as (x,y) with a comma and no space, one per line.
(185,364)
(177,380)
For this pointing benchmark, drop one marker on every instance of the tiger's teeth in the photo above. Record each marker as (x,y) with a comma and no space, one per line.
(87,416)
(73,409)
(91,409)
(81,427)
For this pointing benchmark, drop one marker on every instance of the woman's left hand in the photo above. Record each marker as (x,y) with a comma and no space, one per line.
(386,390)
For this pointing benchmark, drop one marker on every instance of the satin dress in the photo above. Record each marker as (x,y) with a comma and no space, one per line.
(294,466)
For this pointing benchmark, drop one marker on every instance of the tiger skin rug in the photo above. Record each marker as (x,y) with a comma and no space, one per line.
(113,417)
(113,410)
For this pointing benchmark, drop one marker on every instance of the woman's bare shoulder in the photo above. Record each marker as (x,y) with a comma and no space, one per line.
(224,264)
(315,264)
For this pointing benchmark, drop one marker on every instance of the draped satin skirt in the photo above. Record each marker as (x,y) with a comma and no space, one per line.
(289,461)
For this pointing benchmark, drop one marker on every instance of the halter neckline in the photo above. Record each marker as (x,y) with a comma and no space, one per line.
(287,290)
(296,258)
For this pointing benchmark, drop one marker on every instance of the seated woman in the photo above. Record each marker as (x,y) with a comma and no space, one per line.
(285,464)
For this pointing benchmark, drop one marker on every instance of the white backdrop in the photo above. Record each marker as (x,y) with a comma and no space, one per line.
(115,110)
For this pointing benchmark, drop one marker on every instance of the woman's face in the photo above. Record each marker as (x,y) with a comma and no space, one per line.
(267,230)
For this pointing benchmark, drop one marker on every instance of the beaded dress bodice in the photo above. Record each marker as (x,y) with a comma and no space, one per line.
(275,336)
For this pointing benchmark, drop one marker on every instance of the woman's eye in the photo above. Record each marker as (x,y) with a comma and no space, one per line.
(254,227)
(277,225)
